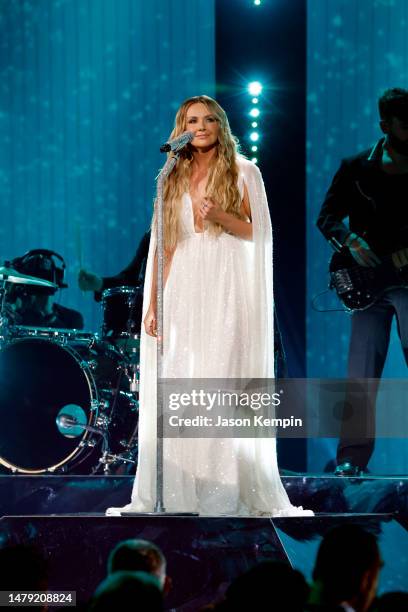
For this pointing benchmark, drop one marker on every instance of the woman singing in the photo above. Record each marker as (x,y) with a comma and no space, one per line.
(218,322)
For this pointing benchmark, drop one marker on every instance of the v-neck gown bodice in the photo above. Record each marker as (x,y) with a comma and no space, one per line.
(205,308)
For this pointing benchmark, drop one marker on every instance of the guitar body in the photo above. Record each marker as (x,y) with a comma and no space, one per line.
(359,287)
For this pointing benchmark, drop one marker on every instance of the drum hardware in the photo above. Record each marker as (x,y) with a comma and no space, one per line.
(30,401)
(113,458)
(122,314)
(125,444)
(102,421)
(134,382)
(66,421)
(133,371)
(119,306)
(134,403)
(3,317)
(107,460)
(58,335)
(87,381)
(61,339)
(104,403)
(4,332)
(88,443)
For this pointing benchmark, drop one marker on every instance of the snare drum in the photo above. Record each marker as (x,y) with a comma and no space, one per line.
(48,377)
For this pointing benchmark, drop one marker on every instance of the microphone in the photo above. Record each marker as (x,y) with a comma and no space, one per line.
(67,421)
(178,143)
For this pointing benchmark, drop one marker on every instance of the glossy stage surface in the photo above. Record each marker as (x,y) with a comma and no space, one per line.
(93,494)
(204,554)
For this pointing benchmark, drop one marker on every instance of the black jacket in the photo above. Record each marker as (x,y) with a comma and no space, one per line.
(376,204)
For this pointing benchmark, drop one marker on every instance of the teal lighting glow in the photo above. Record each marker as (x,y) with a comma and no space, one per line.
(255,88)
(254,148)
(254,112)
(254,136)
(254,159)
(254,124)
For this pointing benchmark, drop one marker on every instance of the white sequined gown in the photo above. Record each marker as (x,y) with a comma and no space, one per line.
(211,331)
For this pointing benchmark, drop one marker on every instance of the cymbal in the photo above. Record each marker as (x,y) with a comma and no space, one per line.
(14,276)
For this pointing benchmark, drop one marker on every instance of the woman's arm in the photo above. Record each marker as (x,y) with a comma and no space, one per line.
(150,320)
(168,258)
(210,211)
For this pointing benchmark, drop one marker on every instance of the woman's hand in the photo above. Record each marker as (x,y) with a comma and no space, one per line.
(210,210)
(150,322)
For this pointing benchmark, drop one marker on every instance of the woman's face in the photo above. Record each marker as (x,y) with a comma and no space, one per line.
(200,120)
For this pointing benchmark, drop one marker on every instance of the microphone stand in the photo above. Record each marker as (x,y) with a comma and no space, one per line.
(159,505)
(164,173)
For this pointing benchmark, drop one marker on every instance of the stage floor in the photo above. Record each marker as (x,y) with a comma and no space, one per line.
(20,494)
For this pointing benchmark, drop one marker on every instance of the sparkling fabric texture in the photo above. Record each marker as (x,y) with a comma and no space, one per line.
(218,323)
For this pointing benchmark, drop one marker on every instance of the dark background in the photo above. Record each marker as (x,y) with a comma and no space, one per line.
(268,45)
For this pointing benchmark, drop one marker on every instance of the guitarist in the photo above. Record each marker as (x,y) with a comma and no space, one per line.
(370,189)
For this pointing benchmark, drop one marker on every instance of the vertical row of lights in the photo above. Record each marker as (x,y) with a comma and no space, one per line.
(255,90)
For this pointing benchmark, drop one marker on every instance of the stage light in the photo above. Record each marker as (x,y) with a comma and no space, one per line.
(255,88)
(257,2)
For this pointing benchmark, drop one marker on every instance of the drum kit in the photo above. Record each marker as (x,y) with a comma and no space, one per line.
(69,399)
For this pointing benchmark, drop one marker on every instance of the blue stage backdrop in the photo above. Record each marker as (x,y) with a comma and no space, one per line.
(88,91)
(356,48)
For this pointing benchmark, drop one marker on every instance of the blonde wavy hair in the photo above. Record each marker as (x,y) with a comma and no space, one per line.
(222,184)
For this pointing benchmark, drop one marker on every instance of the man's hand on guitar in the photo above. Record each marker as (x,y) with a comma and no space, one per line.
(361,252)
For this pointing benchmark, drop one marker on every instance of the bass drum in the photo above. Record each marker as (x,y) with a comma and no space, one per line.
(47,384)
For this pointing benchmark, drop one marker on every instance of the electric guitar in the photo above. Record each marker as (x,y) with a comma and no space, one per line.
(358,287)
